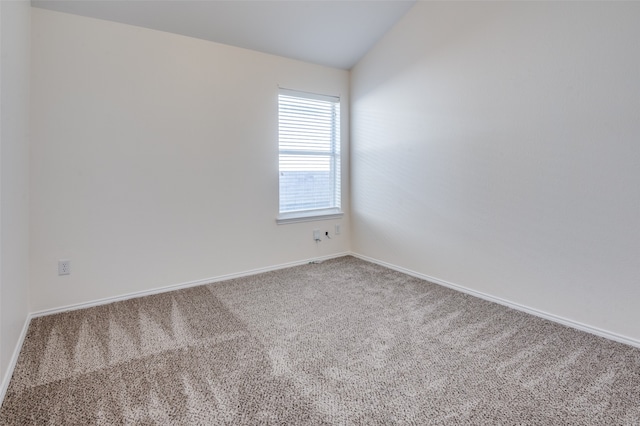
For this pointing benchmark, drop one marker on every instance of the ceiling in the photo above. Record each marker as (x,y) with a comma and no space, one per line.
(334,33)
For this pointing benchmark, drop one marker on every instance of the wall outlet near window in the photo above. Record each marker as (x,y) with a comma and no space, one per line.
(338,229)
(64,267)
(316,235)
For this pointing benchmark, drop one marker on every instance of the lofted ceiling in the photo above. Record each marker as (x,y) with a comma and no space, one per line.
(335,33)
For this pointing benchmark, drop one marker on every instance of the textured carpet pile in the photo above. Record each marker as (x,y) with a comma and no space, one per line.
(342,342)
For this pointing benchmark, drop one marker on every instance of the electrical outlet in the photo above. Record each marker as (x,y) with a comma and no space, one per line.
(316,235)
(338,228)
(64,267)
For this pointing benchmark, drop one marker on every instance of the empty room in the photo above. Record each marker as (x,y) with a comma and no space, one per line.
(319,212)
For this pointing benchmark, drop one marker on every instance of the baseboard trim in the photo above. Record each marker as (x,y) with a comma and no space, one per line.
(179,286)
(14,359)
(16,352)
(551,317)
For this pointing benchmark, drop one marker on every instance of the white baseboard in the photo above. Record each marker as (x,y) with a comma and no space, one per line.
(551,317)
(188,284)
(14,359)
(16,352)
(577,325)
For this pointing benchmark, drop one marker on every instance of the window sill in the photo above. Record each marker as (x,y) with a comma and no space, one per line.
(308,216)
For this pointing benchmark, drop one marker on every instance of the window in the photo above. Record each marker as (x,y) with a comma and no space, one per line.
(309,146)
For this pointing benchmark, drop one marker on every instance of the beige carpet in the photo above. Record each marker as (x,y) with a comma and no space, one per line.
(342,342)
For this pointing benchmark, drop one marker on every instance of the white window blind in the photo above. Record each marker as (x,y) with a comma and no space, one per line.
(309,143)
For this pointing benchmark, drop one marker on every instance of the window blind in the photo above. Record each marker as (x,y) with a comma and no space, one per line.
(309,147)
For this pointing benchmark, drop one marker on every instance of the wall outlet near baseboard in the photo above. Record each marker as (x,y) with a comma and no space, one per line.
(64,267)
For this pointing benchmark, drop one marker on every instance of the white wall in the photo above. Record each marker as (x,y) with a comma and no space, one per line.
(14,175)
(496,146)
(154,159)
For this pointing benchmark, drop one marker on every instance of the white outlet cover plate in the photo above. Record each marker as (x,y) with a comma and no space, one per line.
(64,267)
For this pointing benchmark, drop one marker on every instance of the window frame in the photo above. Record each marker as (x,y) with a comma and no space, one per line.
(334,155)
